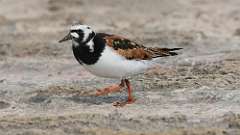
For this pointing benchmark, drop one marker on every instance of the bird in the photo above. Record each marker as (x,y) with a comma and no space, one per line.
(112,56)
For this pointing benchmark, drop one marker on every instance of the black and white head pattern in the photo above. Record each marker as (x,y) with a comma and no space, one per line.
(82,34)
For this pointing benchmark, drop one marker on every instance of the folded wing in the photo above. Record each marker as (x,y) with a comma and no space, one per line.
(131,50)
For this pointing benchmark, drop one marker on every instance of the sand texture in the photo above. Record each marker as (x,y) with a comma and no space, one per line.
(44,91)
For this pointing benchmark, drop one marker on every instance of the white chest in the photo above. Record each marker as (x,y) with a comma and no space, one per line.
(112,65)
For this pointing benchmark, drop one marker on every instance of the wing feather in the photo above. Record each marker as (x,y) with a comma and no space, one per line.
(131,50)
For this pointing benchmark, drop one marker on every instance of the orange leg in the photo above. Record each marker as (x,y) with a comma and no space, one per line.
(110,89)
(130,98)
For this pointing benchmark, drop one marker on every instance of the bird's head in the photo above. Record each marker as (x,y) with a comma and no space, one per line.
(79,33)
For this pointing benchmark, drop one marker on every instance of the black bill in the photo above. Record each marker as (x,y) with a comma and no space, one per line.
(67,37)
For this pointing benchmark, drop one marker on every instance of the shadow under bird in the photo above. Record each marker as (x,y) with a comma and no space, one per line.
(112,56)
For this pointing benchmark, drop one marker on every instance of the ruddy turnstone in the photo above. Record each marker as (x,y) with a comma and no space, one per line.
(112,56)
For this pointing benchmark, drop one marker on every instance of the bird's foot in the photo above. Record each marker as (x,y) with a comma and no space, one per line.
(122,104)
(110,89)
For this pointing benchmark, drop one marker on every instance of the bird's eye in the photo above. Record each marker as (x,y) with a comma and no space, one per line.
(88,27)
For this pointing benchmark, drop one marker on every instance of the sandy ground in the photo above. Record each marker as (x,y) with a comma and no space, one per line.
(44,91)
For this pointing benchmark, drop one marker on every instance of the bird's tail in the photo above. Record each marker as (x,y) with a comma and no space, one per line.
(163,52)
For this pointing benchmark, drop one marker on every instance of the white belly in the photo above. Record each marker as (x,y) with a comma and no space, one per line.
(113,65)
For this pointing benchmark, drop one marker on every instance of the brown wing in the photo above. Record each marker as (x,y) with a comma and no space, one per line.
(131,50)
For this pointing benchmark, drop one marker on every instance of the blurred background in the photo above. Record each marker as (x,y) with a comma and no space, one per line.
(43,90)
